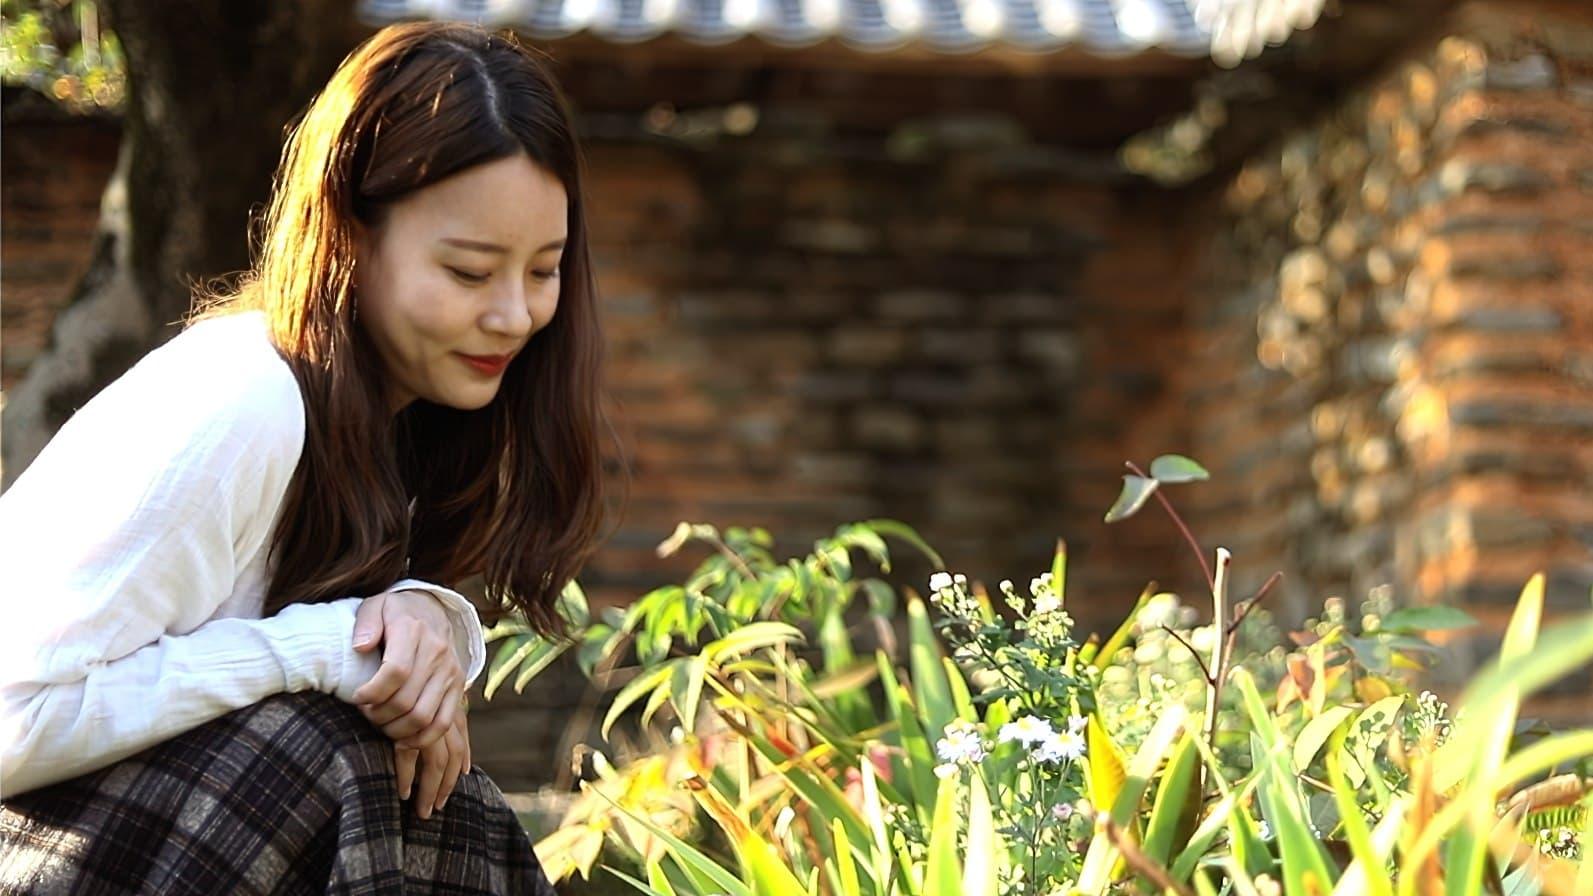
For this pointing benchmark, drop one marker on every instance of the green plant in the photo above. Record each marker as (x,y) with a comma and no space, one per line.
(59,49)
(1000,754)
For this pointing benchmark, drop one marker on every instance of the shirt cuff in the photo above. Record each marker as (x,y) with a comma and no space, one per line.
(316,642)
(469,641)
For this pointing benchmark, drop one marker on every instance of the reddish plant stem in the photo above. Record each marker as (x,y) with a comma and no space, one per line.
(1178,521)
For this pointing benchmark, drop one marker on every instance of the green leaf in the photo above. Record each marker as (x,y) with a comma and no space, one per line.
(1102,855)
(1059,571)
(752,636)
(573,607)
(1172,817)
(639,885)
(1251,853)
(944,876)
(1426,619)
(1103,771)
(685,689)
(1204,836)
(982,869)
(1315,734)
(1368,863)
(655,701)
(1136,491)
(845,866)
(689,855)
(960,697)
(1306,867)
(859,535)
(874,818)
(633,691)
(1177,468)
(1145,762)
(908,534)
(508,658)
(914,769)
(929,677)
(1493,699)
(597,643)
(814,786)
(1370,731)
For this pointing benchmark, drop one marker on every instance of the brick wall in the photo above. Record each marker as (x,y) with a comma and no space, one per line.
(1395,354)
(943,322)
(52,172)
(927,298)
(807,333)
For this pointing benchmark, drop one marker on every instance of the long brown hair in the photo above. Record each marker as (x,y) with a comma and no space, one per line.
(511,492)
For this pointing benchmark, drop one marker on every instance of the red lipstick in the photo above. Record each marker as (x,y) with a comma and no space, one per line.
(487,365)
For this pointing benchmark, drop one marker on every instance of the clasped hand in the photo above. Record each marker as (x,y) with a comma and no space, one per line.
(414,698)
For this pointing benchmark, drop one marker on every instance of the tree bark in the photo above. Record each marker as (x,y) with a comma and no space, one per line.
(211,87)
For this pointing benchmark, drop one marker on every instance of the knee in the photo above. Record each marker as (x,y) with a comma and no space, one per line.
(338,723)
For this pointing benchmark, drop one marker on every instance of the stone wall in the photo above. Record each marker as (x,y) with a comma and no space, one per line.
(1393,372)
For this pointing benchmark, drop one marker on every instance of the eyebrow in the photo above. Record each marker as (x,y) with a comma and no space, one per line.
(494,247)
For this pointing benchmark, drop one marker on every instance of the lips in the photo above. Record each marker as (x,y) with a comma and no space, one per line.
(488,365)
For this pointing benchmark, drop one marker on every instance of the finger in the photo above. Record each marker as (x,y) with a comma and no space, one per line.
(411,710)
(368,623)
(398,662)
(434,761)
(440,700)
(456,756)
(405,759)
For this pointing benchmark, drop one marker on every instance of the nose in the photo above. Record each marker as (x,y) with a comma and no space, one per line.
(509,315)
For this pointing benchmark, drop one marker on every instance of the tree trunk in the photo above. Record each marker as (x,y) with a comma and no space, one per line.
(211,87)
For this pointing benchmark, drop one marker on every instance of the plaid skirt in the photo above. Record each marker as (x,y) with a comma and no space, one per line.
(295,794)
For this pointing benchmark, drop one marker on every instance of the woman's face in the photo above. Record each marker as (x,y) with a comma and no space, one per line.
(457,277)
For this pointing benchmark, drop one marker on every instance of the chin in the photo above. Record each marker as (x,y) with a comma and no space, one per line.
(472,403)
(466,399)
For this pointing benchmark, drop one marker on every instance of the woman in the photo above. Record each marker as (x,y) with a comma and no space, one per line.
(228,648)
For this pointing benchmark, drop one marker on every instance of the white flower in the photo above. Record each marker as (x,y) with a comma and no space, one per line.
(1077,723)
(1068,745)
(961,743)
(940,581)
(1047,603)
(1062,811)
(1026,730)
(1264,830)
(945,770)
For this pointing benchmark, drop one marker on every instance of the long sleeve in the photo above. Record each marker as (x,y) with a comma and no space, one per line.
(469,641)
(121,541)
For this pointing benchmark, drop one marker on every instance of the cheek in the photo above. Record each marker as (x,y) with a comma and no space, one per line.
(430,309)
(546,305)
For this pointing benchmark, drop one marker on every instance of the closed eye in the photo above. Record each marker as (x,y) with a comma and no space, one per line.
(467,276)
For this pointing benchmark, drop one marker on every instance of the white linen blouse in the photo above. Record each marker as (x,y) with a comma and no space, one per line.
(133,564)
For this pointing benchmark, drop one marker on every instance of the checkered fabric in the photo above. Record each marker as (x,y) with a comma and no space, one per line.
(296,794)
